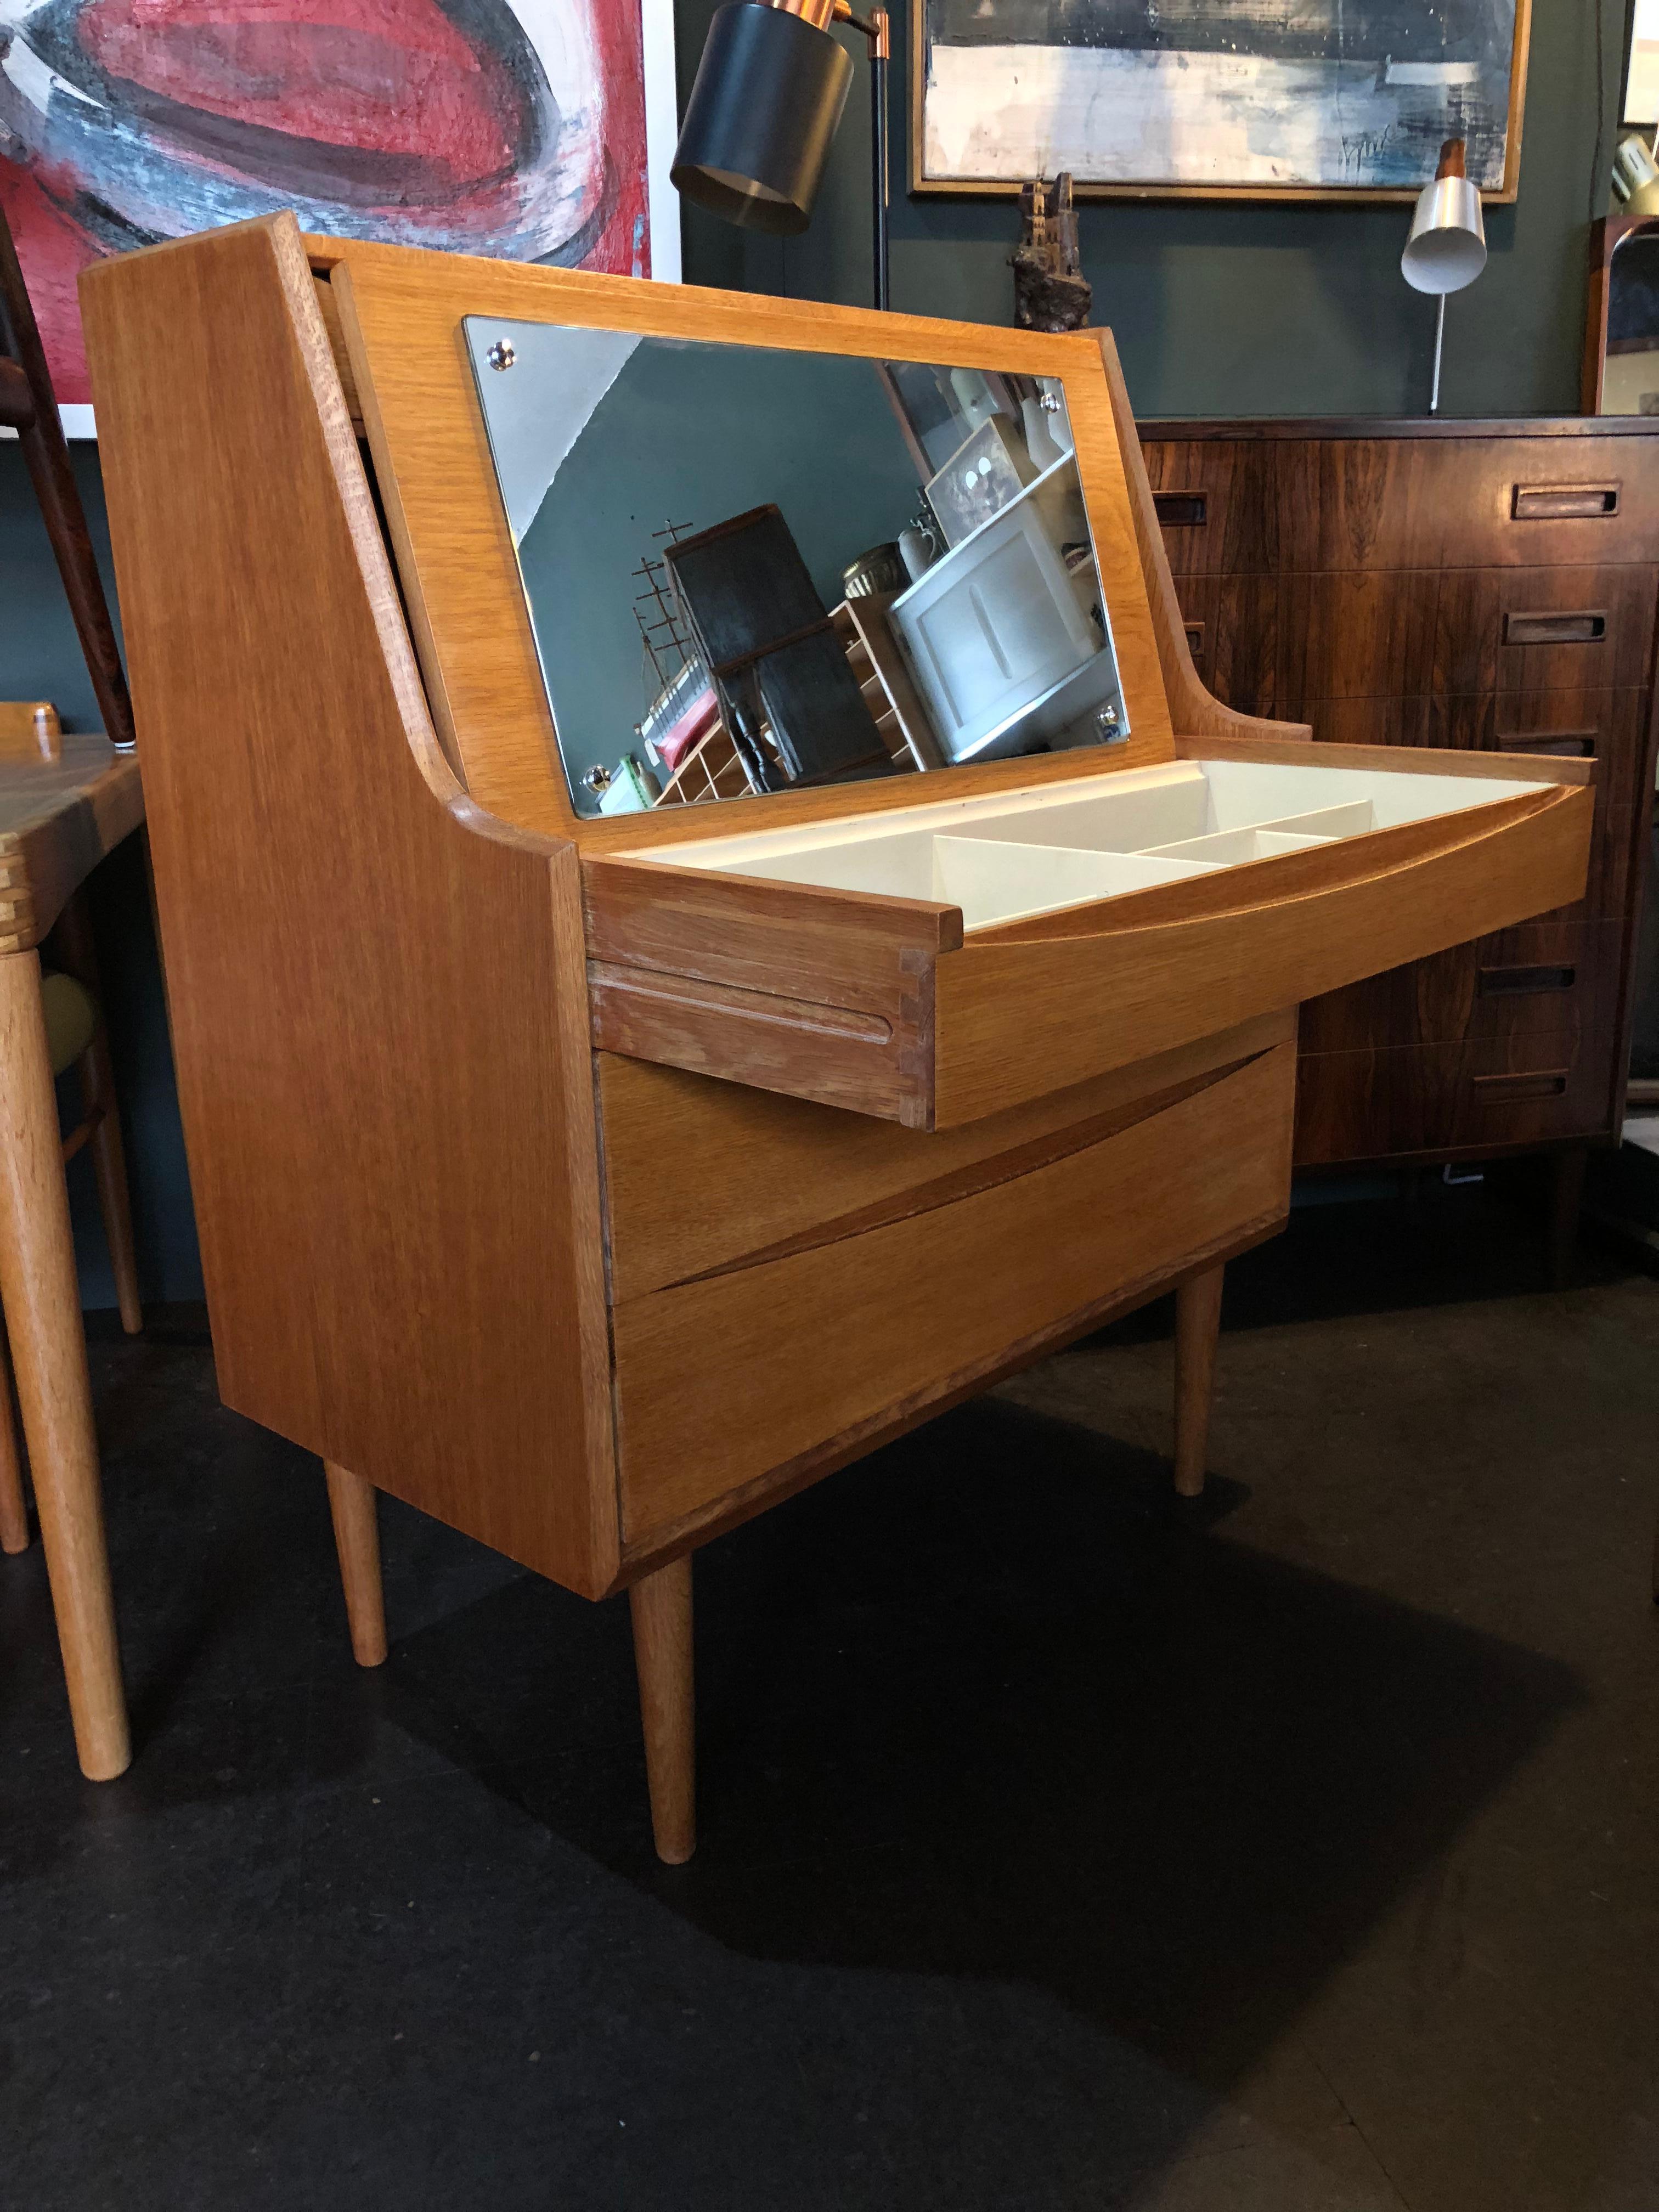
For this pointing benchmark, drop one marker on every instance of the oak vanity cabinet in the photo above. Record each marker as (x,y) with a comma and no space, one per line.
(593,1181)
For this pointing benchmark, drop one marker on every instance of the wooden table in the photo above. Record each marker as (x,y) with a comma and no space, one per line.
(57,820)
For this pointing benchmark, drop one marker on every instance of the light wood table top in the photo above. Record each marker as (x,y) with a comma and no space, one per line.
(57,820)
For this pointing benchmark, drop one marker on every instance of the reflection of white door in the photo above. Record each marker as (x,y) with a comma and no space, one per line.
(992,627)
(537,409)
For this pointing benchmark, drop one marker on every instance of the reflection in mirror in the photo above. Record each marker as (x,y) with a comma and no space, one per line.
(1630,381)
(751,570)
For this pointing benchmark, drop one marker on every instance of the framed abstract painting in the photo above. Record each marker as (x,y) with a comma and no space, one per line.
(1328,99)
(526,129)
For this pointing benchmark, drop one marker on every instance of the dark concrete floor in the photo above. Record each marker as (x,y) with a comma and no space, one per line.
(1058,1849)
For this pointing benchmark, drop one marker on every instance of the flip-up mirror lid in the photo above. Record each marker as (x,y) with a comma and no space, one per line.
(404,321)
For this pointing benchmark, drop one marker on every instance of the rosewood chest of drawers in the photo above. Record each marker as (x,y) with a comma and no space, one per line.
(1486,585)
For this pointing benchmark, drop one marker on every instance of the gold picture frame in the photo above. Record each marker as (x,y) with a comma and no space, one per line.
(966,186)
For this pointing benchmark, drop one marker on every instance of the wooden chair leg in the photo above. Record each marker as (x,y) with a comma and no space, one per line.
(73,940)
(661,1607)
(109,1166)
(1198,1324)
(42,1305)
(351,1501)
(1566,1197)
(14,1512)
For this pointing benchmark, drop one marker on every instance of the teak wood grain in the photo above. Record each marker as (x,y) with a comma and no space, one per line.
(953,1287)
(823,1169)
(376,994)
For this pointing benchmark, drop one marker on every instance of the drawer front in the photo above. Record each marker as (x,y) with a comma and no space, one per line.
(877,1005)
(1217,504)
(1030,1008)
(818,1348)
(1360,634)
(1542,980)
(1609,727)
(1358,503)
(1544,629)
(700,1176)
(1428,1101)
(1547,502)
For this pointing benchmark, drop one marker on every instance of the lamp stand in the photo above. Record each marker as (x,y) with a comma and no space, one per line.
(879,35)
(1439,340)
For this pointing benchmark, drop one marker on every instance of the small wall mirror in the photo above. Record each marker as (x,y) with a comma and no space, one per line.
(751,570)
(1629,368)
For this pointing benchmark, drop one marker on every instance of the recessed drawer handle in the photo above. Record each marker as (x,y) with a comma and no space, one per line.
(1576,744)
(1495,983)
(1182,510)
(1499,1090)
(1563,502)
(1582,628)
(1195,639)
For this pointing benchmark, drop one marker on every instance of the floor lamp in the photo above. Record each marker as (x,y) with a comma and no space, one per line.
(768,95)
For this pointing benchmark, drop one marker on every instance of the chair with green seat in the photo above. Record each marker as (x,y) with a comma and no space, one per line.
(75,1039)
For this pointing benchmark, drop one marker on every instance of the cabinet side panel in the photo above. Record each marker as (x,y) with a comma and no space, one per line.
(377,995)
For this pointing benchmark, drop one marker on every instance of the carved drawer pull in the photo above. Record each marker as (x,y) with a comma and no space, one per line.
(1195,639)
(1563,502)
(1580,628)
(1499,1090)
(1182,510)
(1576,744)
(1498,982)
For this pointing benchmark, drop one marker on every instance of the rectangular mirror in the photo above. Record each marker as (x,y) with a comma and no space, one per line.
(752,570)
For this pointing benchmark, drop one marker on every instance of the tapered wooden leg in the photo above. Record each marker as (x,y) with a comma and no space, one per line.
(109,1166)
(73,939)
(1198,1324)
(42,1306)
(1566,1196)
(13,1513)
(662,1607)
(357,1539)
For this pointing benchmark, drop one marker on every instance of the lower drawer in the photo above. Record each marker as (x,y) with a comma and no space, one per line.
(1433,1101)
(1542,979)
(762,1367)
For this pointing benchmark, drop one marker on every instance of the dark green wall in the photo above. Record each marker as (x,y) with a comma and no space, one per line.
(1250,309)
(1217,311)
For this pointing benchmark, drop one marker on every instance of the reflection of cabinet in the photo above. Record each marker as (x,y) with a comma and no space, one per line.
(1487,585)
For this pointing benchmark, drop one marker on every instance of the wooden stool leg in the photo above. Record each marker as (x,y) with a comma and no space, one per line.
(14,1512)
(1198,1324)
(42,1305)
(662,1607)
(357,1539)
(1566,1196)
(74,941)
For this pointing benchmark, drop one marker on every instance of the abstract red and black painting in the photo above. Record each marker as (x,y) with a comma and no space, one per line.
(517,128)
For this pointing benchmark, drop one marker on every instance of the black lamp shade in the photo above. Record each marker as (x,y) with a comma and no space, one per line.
(770,92)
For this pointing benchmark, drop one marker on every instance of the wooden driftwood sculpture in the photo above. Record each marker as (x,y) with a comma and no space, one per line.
(1050,290)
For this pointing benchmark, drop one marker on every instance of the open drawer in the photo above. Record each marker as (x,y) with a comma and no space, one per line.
(945,961)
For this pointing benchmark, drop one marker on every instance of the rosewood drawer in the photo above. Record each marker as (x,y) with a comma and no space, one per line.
(1422,1101)
(1542,979)
(1544,629)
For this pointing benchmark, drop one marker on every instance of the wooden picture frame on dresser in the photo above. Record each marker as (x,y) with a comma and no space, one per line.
(1486,585)
(431,1024)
